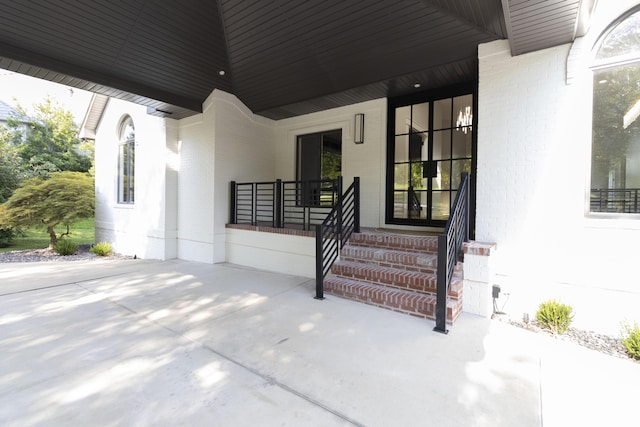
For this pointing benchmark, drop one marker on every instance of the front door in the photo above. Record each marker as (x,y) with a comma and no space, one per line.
(431,144)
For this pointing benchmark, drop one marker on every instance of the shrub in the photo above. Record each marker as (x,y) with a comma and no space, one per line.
(101,249)
(555,316)
(7,234)
(631,339)
(65,247)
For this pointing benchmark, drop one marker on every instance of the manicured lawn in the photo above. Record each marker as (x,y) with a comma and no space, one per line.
(82,232)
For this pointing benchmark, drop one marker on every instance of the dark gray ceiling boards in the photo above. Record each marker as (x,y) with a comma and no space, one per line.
(282,58)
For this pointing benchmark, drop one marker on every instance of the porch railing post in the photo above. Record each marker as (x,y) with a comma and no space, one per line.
(254,203)
(356,204)
(278,204)
(233,193)
(441,286)
(339,211)
(319,272)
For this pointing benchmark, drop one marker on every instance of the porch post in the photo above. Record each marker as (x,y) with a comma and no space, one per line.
(356,204)
(441,287)
(278,204)
(232,203)
(319,275)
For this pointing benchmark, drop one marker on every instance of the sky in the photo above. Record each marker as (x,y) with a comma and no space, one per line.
(29,91)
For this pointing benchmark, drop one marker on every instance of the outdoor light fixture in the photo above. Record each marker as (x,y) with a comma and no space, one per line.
(358,130)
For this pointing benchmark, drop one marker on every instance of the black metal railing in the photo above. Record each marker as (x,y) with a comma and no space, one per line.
(282,204)
(450,243)
(617,200)
(335,230)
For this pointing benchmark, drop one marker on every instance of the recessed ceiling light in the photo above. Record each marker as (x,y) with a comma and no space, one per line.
(417,85)
(222,72)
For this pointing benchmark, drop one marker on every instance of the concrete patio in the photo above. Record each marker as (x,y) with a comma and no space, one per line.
(138,343)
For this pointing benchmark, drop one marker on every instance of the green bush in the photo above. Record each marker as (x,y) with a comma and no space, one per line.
(7,234)
(631,339)
(65,247)
(101,249)
(555,316)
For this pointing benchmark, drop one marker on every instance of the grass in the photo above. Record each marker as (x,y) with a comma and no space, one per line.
(82,232)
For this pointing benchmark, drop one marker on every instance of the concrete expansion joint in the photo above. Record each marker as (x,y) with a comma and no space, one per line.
(269,380)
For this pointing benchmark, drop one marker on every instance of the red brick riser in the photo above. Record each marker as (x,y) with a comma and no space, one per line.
(393,271)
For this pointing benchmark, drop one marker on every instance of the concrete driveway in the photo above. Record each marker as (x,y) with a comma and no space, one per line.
(140,343)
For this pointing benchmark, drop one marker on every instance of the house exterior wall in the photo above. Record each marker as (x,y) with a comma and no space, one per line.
(226,142)
(366,160)
(195,186)
(533,179)
(533,168)
(146,228)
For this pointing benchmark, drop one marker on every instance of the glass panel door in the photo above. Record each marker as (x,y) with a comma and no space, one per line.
(431,145)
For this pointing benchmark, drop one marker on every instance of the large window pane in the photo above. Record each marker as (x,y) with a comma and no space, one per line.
(462,143)
(442,144)
(459,167)
(443,180)
(403,120)
(441,202)
(401,176)
(442,114)
(615,161)
(420,117)
(126,161)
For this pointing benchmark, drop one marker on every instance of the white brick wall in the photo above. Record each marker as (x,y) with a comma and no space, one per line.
(534,141)
(364,160)
(146,228)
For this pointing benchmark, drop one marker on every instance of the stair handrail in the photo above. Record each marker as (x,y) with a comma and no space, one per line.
(335,230)
(450,242)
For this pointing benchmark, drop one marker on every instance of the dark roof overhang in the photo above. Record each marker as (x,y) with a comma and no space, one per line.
(282,58)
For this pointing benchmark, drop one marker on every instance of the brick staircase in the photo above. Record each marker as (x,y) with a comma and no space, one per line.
(393,271)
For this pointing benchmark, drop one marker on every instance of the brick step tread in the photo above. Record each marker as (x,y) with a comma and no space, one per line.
(404,242)
(408,302)
(387,276)
(411,261)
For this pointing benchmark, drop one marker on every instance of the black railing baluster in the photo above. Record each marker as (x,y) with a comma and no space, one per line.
(456,232)
(278,204)
(334,231)
(233,194)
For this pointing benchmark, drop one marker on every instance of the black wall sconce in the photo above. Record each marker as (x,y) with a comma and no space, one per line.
(358,130)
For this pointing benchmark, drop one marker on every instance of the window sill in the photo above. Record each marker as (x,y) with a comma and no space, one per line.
(612,221)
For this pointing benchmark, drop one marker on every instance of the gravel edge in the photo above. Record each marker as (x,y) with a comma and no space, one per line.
(605,344)
(49,255)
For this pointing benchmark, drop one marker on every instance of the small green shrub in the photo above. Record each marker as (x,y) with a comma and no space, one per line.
(65,247)
(101,249)
(7,234)
(555,316)
(631,339)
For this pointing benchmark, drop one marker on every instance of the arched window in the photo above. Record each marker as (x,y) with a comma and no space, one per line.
(615,158)
(126,161)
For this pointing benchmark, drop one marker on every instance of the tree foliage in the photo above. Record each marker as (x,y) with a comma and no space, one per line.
(10,168)
(63,199)
(47,140)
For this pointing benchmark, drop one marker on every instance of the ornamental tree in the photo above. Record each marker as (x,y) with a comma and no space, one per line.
(47,140)
(61,200)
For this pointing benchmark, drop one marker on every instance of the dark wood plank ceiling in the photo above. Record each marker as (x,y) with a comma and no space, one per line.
(282,58)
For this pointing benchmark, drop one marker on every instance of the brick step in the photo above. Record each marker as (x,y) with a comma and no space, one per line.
(396,278)
(404,242)
(409,261)
(399,300)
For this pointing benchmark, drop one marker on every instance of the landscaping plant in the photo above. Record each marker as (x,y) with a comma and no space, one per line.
(101,249)
(555,316)
(631,339)
(65,247)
